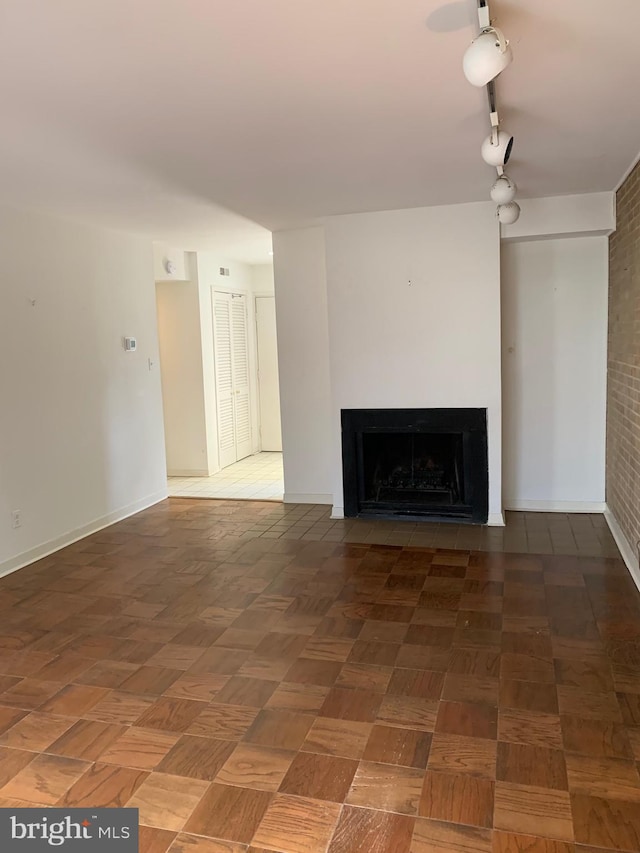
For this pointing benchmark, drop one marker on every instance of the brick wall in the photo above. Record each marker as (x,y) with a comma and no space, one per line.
(623,397)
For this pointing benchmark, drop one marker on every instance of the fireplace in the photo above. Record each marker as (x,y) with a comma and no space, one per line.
(416,464)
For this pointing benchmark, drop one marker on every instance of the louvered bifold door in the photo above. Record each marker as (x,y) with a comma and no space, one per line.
(222,342)
(240,372)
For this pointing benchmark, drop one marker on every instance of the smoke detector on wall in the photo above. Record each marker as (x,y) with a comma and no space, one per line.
(169,266)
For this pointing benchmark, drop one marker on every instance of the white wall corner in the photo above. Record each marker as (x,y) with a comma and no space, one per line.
(629,556)
(19,561)
(495,519)
(337,511)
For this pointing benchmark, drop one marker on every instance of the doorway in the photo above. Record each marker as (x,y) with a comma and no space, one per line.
(240,360)
(220,382)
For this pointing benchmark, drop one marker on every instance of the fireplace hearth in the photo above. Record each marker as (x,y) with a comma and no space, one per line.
(415,464)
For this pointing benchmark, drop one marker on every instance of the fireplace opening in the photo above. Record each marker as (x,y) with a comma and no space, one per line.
(412,470)
(415,463)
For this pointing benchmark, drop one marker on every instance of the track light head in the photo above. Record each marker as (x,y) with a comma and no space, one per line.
(504,190)
(508,213)
(486,57)
(496,149)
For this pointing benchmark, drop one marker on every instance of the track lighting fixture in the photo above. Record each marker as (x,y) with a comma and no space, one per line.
(508,213)
(487,55)
(504,190)
(496,149)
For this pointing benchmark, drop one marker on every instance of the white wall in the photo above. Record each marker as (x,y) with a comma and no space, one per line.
(414,318)
(262,279)
(80,418)
(182,378)
(554,367)
(565,215)
(303,359)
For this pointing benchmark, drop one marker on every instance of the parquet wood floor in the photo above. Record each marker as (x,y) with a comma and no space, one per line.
(267,694)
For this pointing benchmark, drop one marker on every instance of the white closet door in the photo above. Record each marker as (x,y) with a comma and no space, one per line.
(224,378)
(231,350)
(240,369)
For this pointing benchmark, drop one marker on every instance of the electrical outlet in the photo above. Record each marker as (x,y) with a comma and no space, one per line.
(16,518)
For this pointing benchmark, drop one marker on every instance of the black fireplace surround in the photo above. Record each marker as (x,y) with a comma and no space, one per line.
(416,464)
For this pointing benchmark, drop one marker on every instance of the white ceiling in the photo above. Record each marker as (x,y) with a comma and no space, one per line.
(162,116)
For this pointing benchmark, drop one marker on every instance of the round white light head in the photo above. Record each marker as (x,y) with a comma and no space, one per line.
(496,152)
(508,213)
(486,57)
(504,190)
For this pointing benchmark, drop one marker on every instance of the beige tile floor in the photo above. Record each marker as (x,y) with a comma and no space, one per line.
(258,477)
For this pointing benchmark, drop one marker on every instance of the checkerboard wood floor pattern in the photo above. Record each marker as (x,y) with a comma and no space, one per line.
(307,696)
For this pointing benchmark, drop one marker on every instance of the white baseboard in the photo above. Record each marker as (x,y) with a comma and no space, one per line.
(626,549)
(337,511)
(295,498)
(53,545)
(188,472)
(555,506)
